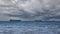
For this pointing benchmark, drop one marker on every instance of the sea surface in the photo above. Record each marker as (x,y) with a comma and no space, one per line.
(30,27)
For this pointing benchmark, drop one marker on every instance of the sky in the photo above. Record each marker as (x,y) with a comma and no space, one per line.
(29,10)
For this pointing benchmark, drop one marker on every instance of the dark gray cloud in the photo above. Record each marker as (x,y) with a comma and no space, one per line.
(31,9)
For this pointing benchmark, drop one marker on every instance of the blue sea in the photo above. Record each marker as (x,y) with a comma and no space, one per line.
(30,27)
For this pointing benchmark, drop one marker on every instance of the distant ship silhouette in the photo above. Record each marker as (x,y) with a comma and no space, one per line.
(14,20)
(38,20)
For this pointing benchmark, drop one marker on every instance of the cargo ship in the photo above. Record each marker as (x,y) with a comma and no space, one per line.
(14,20)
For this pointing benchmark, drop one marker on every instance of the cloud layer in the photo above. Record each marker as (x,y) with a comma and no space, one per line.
(31,9)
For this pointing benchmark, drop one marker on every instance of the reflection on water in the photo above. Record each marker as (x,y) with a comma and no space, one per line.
(31,28)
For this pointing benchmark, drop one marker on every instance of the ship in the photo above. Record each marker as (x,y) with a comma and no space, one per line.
(15,20)
(38,20)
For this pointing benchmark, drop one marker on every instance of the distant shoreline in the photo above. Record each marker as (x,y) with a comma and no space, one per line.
(31,21)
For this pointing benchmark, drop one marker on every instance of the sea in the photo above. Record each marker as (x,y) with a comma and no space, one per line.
(30,27)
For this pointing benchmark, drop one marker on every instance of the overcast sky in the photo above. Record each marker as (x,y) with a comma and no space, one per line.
(30,9)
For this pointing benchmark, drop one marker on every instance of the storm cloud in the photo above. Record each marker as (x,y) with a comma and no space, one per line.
(31,9)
